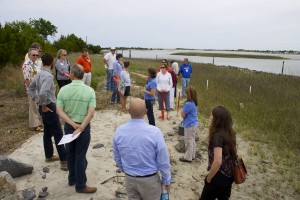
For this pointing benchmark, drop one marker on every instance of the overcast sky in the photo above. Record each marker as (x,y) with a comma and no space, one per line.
(200,24)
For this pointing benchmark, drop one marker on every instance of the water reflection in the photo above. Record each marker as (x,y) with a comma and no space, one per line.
(291,66)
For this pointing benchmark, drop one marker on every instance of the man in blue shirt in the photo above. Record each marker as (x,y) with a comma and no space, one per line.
(140,152)
(186,71)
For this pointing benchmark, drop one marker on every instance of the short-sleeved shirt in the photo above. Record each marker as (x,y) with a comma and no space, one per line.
(30,70)
(110,58)
(191,117)
(76,98)
(85,62)
(151,84)
(186,70)
(218,141)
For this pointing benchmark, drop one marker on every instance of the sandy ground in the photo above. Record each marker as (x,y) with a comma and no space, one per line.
(187,177)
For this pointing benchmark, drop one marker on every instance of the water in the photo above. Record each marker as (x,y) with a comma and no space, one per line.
(291,66)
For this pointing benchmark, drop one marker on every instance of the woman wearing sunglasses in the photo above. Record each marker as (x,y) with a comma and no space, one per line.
(164,85)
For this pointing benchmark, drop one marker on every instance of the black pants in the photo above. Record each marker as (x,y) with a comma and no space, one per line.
(219,188)
(62,83)
(150,114)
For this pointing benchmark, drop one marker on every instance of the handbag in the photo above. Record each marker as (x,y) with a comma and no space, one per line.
(239,170)
(116,79)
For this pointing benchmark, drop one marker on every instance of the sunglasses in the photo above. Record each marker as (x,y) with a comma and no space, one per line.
(163,67)
(35,55)
(163,62)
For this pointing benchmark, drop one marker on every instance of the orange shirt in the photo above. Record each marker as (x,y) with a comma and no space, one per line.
(85,62)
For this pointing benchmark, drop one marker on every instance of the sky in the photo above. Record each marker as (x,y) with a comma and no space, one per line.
(195,24)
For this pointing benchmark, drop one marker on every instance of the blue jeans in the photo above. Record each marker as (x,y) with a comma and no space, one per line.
(52,127)
(150,115)
(184,84)
(76,154)
(115,95)
(109,79)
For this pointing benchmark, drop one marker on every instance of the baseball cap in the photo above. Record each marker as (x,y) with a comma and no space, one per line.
(112,48)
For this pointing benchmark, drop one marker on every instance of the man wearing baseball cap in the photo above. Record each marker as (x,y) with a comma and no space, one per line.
(109,59)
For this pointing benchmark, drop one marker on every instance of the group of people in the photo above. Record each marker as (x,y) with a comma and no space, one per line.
(139,148)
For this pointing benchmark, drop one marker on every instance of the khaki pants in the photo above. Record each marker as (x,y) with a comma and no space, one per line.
(189,142)
(148,188)
(34,116)
(87,78)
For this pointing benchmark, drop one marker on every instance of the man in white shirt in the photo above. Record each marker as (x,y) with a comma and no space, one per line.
(109,59)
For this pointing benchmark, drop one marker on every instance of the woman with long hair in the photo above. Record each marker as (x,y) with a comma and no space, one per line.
(190,122)
(221,153)
(164,85)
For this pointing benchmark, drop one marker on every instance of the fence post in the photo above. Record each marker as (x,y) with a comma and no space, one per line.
(206,84)
(213,60)
(250,89)
(282,67)
(129,53)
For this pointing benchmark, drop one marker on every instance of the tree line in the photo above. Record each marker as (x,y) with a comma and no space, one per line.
(17,36)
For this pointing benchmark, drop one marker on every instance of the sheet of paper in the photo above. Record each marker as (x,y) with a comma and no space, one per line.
(68,138)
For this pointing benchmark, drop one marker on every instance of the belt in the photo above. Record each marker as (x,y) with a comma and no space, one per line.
(141,176)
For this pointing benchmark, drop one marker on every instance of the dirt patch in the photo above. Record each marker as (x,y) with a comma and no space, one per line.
(14,130)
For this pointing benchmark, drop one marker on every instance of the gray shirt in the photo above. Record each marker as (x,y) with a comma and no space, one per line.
(62,68)
(44,85)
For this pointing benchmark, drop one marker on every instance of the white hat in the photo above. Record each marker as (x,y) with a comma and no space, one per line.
(112,48)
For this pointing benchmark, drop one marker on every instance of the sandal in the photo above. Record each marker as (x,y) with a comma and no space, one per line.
(38,129)
(184,160)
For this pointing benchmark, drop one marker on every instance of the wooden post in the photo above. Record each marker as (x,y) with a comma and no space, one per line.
(129,53)
(213,60)
(250,89)
(162,106)
(282,67)
(206,84)
(178,103)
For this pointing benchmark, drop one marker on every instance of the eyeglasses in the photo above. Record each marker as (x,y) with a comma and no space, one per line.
(35,55)
(163,67)
(163,62)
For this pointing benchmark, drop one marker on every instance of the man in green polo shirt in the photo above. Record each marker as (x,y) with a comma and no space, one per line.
(76,104)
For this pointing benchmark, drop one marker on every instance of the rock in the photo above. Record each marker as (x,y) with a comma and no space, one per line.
(198,155)
(197,138)
(44,176)
(8,186)
(266,161)
(120,192)
(46,169)
(43,194)
(44,189)
(14,168)
(180,146)
(97,146)
(170,134)
(29,194)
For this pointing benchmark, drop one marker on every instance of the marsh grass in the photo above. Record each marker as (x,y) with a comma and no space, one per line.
(228,55)
(268,116)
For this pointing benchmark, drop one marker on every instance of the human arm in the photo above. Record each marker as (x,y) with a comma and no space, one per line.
(117,156)
(86,121)
(163,161)
(32,89)
(216,164)
(61,113)
(43,93)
